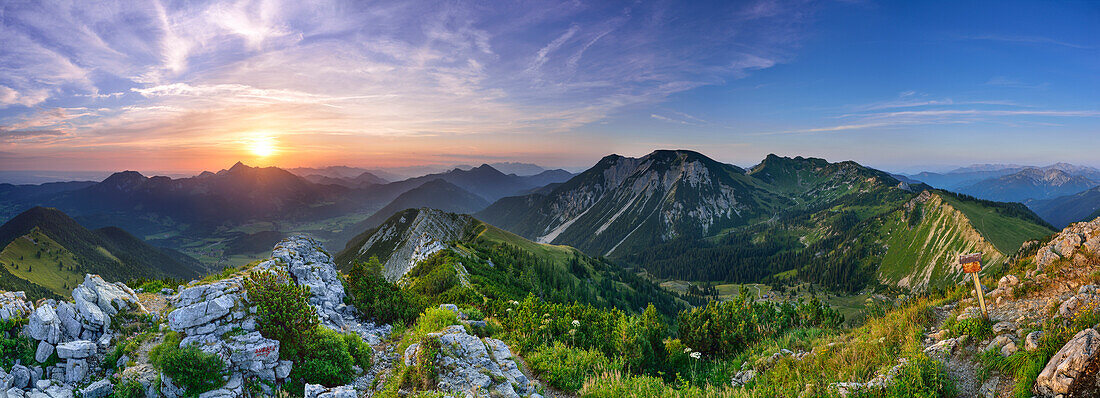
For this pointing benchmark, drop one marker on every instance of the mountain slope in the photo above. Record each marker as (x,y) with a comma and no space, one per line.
(1062,211)
(497,264)
(487,182)
(46,247)
(626,202)
(1030,183)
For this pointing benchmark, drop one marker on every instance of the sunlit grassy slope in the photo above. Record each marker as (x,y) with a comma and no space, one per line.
(40,260)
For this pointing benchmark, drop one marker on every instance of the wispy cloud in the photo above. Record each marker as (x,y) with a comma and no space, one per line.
(1031,40)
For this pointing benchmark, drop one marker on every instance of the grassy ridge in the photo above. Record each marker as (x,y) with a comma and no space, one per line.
(1007,233)
(35,258)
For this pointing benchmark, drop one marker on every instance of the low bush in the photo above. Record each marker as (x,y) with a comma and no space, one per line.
(282,310)
(190,368)
(360,351)
(324,359)
(977,328)
(14,347)
(615,384)
(567,368)
(128,388)
(376,297)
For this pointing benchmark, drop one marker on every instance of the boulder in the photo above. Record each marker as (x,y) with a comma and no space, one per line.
(43,352)
(1004,327)
(70,326)
(1031,342)
(468,364)
(76,349)
(44,325)
(99,389)
(1008,349)
(21,376)
(75,370)
(998,342)
(319,391)
(1066,367)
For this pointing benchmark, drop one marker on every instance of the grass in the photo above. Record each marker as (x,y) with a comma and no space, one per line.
(44,269)
(560,254)
(1006,233)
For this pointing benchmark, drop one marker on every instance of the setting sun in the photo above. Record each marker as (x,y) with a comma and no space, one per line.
(262,147)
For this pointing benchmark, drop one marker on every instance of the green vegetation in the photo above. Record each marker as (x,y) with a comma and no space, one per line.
(724,329)
(567,368)
(1006,225)
(321,356)
(190,368)
(376,297)
(14,347)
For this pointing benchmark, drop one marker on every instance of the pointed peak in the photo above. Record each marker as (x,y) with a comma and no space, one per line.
(238,167)
(124,178)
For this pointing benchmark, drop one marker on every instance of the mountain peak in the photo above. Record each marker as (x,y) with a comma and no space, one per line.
(124,179)
(238,167)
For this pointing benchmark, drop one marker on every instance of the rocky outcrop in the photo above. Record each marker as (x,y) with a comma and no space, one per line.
(14,305)
(1066,371)
(218,318)
(403,241)
(1078,238)
(467,364)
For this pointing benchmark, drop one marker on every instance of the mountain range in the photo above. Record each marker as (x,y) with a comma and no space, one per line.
(682,215)
(46,253)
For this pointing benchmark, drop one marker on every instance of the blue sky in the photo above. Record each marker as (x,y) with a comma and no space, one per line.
(199,85)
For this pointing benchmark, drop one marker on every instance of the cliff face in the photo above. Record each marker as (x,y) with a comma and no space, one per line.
(405,239)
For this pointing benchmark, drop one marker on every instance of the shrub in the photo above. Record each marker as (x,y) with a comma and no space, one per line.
(472,313)
(977,328)
(324,359)
(15,348)
(282,309)
(567,368)
(190,368)
(360,351)
(722,329)
(614,384)
(376,297)
(128,388)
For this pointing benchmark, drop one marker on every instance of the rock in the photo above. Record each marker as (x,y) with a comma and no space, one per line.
(319,391)
(75,370)
(1004,327)
(940,335)
(21,376)
(42,384)
(970,313)
(1064,369)
(44,325)
(99,389)
(76,349)
(44,351)
(998,342)
(1008,349)
(283,369)
(449,307)
(14,305)
(70,326)
(15,392)
(468,364)
(743,377)
(1031,342)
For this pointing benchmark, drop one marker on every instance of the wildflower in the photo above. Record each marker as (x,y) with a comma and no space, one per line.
(687,350)
(576,323)
(514,302)
(697,355)
(509,310)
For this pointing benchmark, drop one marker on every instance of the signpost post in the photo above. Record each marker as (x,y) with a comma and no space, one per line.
(972,264)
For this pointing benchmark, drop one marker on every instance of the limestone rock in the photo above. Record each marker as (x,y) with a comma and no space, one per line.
(43,352)
(76,349)
(14,305)
(1068,364)
(21,376)
(75,370)
(1031,342)
(468,364)
(1008,349)
(99,389)
(319,391)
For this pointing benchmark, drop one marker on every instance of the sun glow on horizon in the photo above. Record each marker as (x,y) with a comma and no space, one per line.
(263,146)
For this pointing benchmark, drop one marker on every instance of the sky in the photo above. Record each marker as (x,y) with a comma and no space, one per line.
(191,85)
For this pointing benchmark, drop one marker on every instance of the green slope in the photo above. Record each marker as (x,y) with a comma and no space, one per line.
(1006,225)
(45,247)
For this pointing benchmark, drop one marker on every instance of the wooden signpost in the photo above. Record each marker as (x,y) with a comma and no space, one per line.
(972,264)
